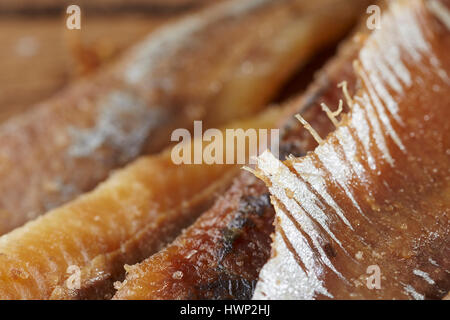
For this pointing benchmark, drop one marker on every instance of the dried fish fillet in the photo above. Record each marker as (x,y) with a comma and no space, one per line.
(218,257)
(365,216)
(220,64)
(221,254)
(126,219)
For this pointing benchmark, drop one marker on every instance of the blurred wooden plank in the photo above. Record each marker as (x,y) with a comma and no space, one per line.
(102,6)
(39,56)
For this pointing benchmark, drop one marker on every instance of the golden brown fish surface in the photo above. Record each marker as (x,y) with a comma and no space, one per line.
(221,254)
(124,220)
(223,63)
(219,257)
(365,216)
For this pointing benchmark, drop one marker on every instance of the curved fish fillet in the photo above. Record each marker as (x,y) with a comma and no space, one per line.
(218,257)
(124,220)
(366,215)
(217,65)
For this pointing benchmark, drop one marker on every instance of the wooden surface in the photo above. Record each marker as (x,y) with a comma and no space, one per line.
(53,6)
(40,56)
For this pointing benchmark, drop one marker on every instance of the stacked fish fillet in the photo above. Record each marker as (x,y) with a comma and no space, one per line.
(373,196)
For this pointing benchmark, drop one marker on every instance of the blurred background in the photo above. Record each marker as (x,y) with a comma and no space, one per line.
(39,55)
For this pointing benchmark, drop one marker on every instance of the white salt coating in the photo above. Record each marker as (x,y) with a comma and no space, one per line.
(378,85)
(379,69)
(339,170)
(283,179)
(407,31)
(413,293)
(382,113)
(362,130)
(405,36)
(434,263)
(168,41)
(378,135)
(414,39)
(315,177)
(391,56)
(350,150)
(124,123)
(283,271)
(424,275)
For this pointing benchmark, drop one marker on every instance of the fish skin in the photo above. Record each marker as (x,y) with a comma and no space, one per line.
(130,216)
(68,144)
(213,264)
(392,189)
(211,259)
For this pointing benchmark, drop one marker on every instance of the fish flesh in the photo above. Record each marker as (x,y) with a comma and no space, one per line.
(130,216)
(202,67)
(365,216)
